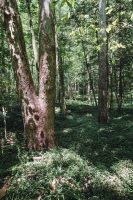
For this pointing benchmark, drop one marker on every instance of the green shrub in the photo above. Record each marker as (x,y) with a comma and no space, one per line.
(34,177)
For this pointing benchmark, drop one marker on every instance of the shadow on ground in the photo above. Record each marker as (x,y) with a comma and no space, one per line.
(108,147)
(96,158)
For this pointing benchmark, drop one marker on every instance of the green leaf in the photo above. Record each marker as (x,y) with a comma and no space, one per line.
(109,28)
(109,10)
(132,17)
(69,4)
(63,3)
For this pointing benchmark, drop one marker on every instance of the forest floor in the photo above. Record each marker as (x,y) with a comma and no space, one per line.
(91,161)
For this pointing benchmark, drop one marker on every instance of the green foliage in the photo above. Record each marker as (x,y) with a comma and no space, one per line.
(32,178)
(93,162)
(77,29)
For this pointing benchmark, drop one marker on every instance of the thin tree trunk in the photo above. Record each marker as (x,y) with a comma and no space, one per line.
(62,88)
(103,71)
(120,95)
(111,88)
(35,62)
(57,71)
(90,75)
(120,79)
(60,76)
(69,87)
(34,45)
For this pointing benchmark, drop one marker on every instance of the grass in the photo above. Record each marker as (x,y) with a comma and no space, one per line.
(91,161)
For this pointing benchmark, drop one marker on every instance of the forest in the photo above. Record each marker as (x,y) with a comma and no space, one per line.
(66,99)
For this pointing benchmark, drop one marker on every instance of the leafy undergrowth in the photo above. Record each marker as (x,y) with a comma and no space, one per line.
(91,161)
(62,174)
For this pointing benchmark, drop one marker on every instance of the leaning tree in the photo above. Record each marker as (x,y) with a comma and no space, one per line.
(38,106)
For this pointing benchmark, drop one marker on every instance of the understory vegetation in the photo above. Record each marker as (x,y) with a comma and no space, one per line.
(66,100)
(91,161)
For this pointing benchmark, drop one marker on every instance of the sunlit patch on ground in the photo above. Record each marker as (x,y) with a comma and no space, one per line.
(92,161)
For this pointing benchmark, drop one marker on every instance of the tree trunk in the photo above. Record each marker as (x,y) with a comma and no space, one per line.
(62,88)
(120,95)
(89,73)
(34,45)
(57,70)
(38,111)
(47,69)
(103,71)
(120,81)
(60,77)
(2,58)
(111,88)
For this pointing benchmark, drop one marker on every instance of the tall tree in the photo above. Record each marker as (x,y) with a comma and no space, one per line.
(38,107)
(120,92)
(59,59)
(103,69)
(62,86)
(34,45)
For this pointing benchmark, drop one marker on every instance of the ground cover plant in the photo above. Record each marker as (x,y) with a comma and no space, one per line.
(66,100)
(91,161)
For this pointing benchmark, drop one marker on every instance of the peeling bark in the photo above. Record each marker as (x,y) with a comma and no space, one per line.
(38,110)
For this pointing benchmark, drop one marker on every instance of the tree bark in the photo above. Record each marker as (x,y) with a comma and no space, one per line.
(120,95)
(34,44)
(111,88)
(47,69)
(103,69)
(120,81)
(90,74)
(38,110)
(57,70)
(62,88)
(60,74)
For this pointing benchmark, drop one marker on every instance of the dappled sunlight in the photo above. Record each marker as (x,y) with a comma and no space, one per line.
(70,117)
(57,110)
(126,116)
(64,169)
(67,130)
(124,170)
(93,162)
(66,100)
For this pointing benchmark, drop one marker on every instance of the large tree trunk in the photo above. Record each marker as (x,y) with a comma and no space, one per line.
(38,111)
(47,69)
(103,69)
